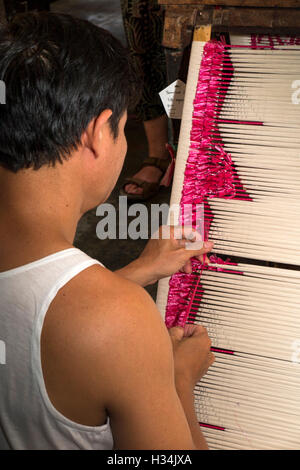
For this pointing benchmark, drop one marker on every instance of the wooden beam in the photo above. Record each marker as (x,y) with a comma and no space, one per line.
(178,26)
(259,20)
(236,3)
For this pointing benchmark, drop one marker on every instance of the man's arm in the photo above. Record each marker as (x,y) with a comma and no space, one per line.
(166,254)
(145,409)
(111,330)
(192,358)
(139,272)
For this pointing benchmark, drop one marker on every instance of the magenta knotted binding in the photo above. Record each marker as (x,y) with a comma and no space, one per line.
(209,171)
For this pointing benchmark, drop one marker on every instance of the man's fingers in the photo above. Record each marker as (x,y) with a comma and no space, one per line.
(191,251)
(176,333)
(211,358)
(188,269)
(189,329)
(194,330)
(204,259)
(189,238)
(186,232)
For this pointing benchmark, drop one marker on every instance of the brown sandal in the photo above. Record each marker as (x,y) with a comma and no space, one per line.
(166,165)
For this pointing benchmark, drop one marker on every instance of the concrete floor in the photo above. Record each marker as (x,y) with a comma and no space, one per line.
(114,254)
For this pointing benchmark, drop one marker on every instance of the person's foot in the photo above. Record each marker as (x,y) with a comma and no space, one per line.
(151,174)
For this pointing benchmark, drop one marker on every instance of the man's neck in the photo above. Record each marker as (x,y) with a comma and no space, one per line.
(39,212)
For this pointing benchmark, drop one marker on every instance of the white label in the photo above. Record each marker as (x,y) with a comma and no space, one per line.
(172,98)
(296,94)
(2,353)
(296,351)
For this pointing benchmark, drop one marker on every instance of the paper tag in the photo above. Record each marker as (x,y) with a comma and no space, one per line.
(172,98)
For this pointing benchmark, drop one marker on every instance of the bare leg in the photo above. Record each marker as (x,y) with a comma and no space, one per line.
(157,136)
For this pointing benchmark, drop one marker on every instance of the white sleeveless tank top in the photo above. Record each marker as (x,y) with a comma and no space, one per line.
(28,420)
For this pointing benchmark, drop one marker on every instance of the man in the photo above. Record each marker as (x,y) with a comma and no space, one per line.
(89,362)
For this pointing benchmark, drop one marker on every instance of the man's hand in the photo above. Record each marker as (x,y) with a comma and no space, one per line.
(192,355)
(167,252)
(171,250)
(192,358)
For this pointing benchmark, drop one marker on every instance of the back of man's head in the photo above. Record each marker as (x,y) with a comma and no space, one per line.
(60,72)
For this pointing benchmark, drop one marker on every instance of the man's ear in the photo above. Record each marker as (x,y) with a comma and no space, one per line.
(100,123)
(94,133)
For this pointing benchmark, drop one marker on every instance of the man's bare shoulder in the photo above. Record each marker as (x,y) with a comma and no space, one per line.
(98,300)
(101,292)
(103,322)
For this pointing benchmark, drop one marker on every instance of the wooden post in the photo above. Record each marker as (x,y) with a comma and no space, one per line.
(202,33)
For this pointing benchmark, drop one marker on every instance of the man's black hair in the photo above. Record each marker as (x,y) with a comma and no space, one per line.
(60,72)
